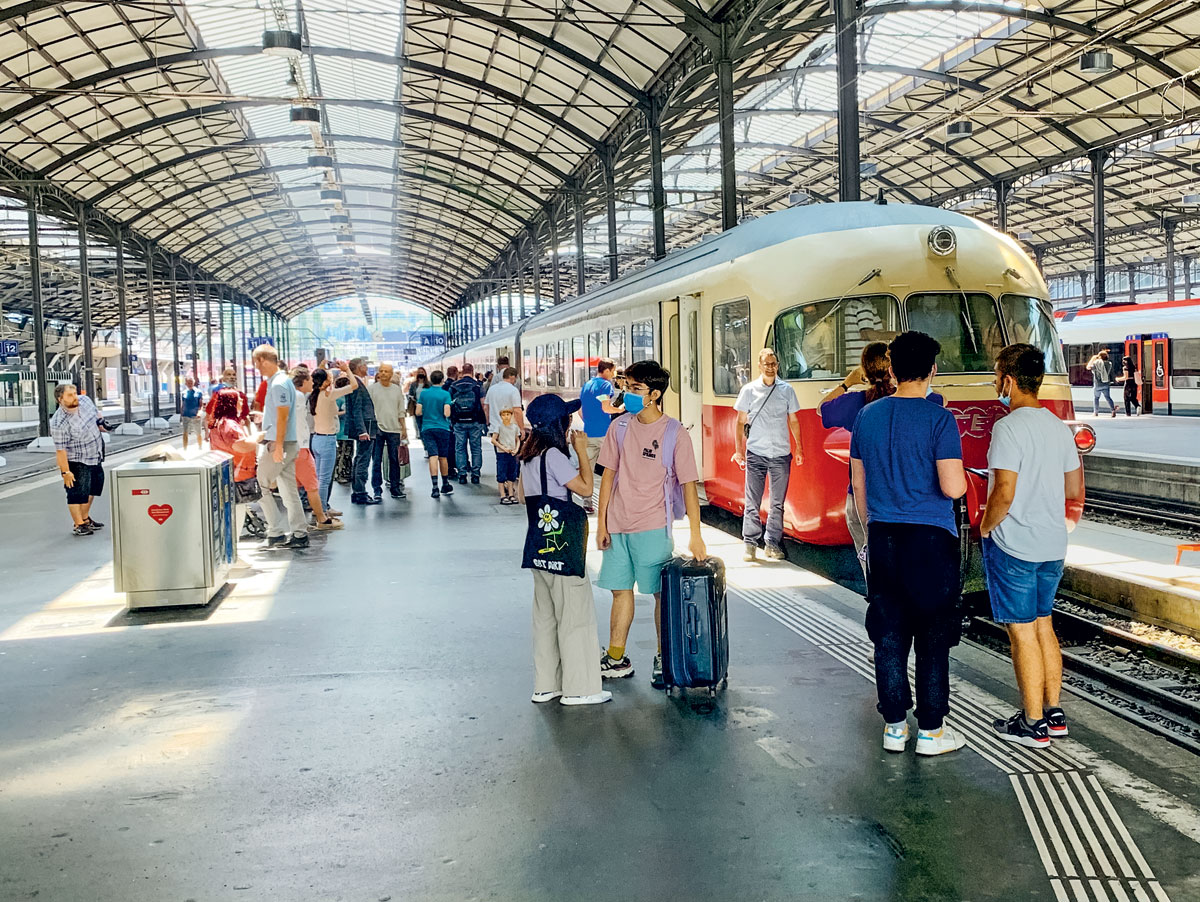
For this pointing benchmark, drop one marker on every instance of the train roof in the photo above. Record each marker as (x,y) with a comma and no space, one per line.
(755,235)
(1108,310)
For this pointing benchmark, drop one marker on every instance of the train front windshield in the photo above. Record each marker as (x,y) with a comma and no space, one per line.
(967,327)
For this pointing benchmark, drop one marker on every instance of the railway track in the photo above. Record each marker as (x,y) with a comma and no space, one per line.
(1152,509)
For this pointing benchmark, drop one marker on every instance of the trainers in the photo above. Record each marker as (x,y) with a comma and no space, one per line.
(1018,729)
(474,480)
(1056,722)
(615,670)
(751,552)
(435,493)
(541,697)
(93,524)
(276,541)
(462,480)
(656,677)
(447,488)
(400,495)
(82,530)
(598,699)
(895,736)
(939,742)
(296,542)
(774,553)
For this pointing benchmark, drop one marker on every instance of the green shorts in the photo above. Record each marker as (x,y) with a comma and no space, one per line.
(636,557)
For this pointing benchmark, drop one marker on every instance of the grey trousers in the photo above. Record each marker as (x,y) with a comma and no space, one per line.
(283,477)
(566,654)
(758,469)
(858,531)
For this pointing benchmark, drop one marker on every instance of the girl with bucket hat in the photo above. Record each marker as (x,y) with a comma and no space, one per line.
(565,665)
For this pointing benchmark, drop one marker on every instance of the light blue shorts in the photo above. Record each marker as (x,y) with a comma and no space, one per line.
(636,557)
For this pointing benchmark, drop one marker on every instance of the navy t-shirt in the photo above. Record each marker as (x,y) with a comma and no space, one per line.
(595,420)
(900,441)
(191,403)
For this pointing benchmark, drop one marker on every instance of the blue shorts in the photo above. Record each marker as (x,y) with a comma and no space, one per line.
(636,557)
(1021,591)
(438,442)
(506,467)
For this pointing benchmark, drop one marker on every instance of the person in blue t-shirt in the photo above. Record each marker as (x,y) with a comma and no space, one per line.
(597,408)
(189,412)
(906,469)
(433,407)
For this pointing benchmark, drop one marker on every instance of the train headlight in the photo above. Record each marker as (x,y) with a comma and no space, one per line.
(1085,437)
(942,241)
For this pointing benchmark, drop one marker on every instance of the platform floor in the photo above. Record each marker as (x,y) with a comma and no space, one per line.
(1161,436)
(353,723)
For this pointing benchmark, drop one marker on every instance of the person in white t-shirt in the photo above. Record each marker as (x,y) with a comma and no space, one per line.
(1034,470)
(766,429)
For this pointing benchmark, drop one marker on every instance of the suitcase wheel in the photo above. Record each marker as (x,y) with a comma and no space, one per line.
(712,691)
(725,683)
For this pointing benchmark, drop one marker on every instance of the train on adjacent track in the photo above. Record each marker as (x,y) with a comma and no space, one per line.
(1163,339)
(816,284)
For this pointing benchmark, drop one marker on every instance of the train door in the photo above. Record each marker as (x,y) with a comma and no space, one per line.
(1159,376)
(1146,365)
(691,404)
(669,312)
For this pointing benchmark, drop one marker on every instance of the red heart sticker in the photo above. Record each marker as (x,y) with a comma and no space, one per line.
(160,512)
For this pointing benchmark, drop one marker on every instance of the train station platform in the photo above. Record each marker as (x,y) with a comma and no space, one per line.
(1160,436)
(353,722)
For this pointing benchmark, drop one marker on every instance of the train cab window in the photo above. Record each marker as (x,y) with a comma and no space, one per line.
(1185,363)
(732,358)
(1029,321)
(527,373)
(825,339)
(579,360)
(965,325)
(616,346)
(642,335)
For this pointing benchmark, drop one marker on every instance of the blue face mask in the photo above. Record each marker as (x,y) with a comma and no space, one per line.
(928,389)
(634,403)
(1006,400)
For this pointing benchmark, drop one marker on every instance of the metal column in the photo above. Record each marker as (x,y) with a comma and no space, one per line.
(845,15)
(555,275)
(523,306)
(658,194)
(580,262)
(728,155)
(1131,274)
(123,314)
(221,332)
(85,294)
(151,315)
(39,320)
(208,327)
(1001,188)
(243,376)
(176,394)
(610,208)
(1098,249)
(536,270)
(512,279)
(192,320)
(1187,277)
(1169,234)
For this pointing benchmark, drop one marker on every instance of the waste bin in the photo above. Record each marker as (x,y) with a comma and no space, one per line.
(174,538)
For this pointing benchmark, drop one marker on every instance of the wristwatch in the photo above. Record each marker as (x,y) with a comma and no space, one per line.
(844,386)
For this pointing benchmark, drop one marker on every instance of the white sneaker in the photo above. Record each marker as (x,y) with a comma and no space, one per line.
(895,736)
(540,697)
(598,699)
(939,742)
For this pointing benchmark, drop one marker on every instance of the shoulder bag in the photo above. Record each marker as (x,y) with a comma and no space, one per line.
(556,537)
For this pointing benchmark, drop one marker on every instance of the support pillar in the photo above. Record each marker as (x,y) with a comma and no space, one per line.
(511,281)
(1098,158)
(555,275)
(728,155)
(658,194)
(221,332)
(192,320)
(85,296)
(156,420)
(1001,188)
(123,316)
(610,208)
(535,270)
(580,261)
(845,15)
(39,327)
(1131,274)
(176,394)
(1169,234)
(208,328)
(1187,277)
(244,375)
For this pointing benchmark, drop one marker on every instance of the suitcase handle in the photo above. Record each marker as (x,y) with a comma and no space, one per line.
(691,629)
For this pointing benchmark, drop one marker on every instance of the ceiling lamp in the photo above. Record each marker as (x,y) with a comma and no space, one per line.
(320,161)
(306,114)
(1025,235)
(331,194)
(1190,200)
(285,44)
(797,198)
(959,128)
(339,218)
(1147,259)
(1096,62)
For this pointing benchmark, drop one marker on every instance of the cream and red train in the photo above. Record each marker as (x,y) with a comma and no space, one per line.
(815,283)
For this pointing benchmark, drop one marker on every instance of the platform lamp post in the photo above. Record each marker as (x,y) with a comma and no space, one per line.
(535,269)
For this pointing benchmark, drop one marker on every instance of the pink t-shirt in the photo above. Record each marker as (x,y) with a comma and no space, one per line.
(638,503)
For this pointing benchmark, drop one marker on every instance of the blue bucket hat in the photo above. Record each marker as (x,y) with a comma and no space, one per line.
(547,409)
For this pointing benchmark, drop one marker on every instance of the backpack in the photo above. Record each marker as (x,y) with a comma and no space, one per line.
(672,490)
(463,401)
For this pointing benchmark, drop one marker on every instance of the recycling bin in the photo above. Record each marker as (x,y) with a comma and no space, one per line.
(174,539)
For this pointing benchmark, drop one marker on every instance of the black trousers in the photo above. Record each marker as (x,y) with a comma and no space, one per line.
(913,601)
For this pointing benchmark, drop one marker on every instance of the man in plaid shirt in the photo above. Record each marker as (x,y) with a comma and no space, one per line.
(75,428)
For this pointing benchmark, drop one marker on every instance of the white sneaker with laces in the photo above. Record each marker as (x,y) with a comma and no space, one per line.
(939,742)
(540,697)
(598,699)
(895,736)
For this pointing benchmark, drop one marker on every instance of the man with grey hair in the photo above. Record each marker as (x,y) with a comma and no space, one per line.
(363,427)
(79,448)
(277,456)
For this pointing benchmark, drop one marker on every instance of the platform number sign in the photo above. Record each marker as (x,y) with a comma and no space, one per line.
(9,347)
(255,340)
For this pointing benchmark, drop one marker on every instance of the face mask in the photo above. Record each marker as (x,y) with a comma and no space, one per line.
(634,403)
(928,389)
(1006,400)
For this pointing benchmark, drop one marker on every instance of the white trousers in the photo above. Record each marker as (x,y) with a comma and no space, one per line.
(566,650)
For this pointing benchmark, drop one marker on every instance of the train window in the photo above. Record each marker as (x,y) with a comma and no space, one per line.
(825,339)
(694,351)
(527,375)
(541,366)
(579,360)
(642,334)
(561,363)
(595,352)
(673,339)
(616,345)
(1028,320)
(964,324)
(732,360)
(1079,356)
(1185,363)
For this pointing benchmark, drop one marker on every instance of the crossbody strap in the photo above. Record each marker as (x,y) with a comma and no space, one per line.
(774,385)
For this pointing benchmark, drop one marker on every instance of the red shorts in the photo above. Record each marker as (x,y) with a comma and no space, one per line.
(306,471)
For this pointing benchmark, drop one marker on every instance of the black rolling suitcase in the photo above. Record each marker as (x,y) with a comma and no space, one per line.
(695,624)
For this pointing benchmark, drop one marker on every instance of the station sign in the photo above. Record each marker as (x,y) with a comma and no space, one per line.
(9,347)
(255,340)
(433,341)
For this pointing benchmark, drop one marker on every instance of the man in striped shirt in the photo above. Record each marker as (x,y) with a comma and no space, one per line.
(79,446)
(863,325)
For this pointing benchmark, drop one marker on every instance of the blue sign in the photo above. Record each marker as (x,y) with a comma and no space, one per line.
(255,340)
(10,347)
(433,341)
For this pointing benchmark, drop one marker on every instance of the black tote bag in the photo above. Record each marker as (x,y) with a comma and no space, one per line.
(556,538)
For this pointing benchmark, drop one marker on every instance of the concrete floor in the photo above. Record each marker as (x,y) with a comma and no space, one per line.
(1163,436)
(353,723)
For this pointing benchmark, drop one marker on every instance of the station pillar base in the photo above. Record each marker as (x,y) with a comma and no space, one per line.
(157,423)
(175,419)
(43,444)
(129,429)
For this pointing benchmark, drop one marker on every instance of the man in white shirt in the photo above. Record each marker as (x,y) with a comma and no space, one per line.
(277,456)
(766,428)
(503,395)
(390,410)
(1034,471)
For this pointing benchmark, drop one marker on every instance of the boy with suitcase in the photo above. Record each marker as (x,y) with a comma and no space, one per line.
(649,472)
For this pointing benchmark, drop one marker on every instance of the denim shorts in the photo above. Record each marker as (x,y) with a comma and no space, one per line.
(506,467)
(1021,591)
(438,443)
(636,557)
